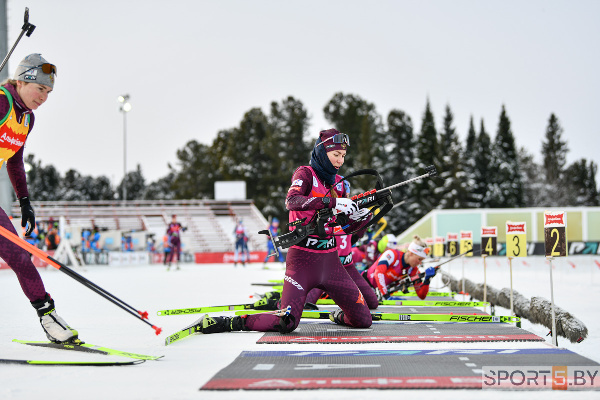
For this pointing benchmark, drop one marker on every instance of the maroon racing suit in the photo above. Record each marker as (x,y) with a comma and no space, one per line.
(345,253)
(18,259)
(313,263)
(173,231)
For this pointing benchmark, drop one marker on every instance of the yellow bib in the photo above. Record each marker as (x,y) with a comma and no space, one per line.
(12,133)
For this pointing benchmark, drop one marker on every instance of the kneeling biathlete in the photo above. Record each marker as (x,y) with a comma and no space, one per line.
(313,262)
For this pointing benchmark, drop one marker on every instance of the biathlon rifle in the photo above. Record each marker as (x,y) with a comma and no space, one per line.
(408,281)
(380,197)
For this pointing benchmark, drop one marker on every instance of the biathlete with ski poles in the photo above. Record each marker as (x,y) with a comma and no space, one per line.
(394,265)
(313,262)
(19,97)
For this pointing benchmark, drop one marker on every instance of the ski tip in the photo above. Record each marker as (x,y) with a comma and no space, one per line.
(157,329)
(143,314)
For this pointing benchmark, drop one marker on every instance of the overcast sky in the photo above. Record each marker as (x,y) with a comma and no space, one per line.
(193,68)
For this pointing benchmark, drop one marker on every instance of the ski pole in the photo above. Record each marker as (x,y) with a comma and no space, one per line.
(27,29)
(84,281)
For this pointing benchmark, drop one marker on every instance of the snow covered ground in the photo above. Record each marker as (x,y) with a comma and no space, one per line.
(190,363)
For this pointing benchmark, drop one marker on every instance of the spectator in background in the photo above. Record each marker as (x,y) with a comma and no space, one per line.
(166,248)
(126,242)
(85,240)
(274,231)
(151,244)
(95,240)
(240,243)
(52,238)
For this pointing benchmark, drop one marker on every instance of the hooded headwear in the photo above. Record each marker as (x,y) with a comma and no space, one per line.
(319,160)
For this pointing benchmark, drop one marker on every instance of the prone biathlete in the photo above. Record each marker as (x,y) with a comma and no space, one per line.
(19,97)
(393,265)
(313,262)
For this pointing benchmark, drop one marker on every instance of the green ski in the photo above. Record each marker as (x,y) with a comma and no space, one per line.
(231,307)
(413,317)
(420,303)
(185,332)
(202,310)
(72,363)
(88,348)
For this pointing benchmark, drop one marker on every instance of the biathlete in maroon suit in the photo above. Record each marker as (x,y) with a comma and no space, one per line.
(314,262)
(174,233)
(19,97)
(394,265)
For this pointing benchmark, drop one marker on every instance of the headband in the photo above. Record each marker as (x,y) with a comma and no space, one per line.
(418,250)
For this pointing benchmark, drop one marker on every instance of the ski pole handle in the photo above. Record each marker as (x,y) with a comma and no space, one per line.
(27,30)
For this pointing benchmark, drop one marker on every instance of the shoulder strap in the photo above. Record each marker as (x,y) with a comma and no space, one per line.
(10,103)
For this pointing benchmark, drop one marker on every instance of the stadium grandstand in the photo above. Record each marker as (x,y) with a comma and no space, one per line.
(210,223)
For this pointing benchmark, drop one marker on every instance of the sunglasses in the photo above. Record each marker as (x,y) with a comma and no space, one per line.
(46,68)
(338,138)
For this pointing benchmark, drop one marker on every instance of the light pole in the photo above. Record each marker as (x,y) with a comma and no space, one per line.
(124,108)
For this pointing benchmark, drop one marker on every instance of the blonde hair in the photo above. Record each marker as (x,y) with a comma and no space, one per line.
(10,81)
(418,241)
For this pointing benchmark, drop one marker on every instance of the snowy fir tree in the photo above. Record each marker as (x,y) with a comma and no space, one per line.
(505,188)
(43,182)
(426,191)
(581,178)
(554,154)
(532,177)
(554,150)
(399,150)
(471,138)
(455,189)
(194,177)
(162,189)
(481,167)
(289,123)
(135,185)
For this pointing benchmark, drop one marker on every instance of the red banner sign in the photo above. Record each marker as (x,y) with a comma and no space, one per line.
(515,227)
(554,219)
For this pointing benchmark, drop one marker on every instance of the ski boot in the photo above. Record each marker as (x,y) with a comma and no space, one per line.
(266,304)
(57,330)
(337,316)
(271,295)
(210,324)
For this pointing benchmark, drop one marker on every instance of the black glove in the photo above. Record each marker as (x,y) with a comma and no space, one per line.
(381,296)
(27,215)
